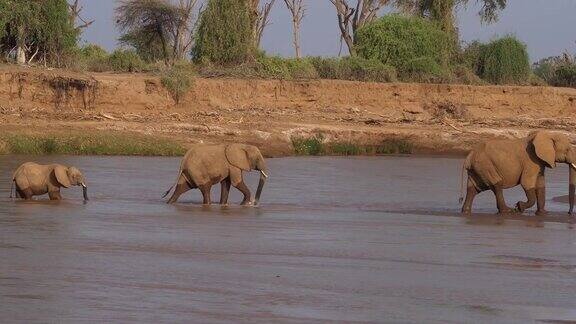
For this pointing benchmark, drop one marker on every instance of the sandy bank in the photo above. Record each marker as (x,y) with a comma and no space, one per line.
(270,113)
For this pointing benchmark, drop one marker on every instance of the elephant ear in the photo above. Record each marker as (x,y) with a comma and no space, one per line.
(238,157)
(544,146)
(61,173)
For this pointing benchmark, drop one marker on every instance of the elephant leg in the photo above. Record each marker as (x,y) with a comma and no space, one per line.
(25,194)
(500,202)
(224,191)
(238,183)
(541,195)
(55,195)
(245,191)
(531,196)
(205,189)
(471,192)
(182,187)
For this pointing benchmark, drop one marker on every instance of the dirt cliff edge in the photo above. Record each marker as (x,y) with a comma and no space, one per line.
(435,118)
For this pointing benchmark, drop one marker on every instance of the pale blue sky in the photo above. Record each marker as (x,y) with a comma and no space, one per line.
(547,26)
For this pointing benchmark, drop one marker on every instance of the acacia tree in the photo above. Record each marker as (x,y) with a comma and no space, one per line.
(151,24)
(443,11)
(260,18)
(297,10)
(353,17)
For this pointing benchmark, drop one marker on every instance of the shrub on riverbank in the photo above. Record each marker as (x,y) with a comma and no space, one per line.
(504,61)
(88,144)
(400,41)
(315,146)
(178,80)
(559,71)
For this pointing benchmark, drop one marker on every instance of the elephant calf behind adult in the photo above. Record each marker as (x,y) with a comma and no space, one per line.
(32,179)
(206,165)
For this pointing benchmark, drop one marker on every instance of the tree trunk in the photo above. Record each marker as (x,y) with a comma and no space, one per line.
(20,46)
(350,44)
(20,55)
(297,39)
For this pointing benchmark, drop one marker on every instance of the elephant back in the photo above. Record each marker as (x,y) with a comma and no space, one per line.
(28,175)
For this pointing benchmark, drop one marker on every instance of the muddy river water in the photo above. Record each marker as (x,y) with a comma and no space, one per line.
(334,240)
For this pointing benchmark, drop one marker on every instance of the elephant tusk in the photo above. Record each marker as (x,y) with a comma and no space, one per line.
(83,185)
(573,165)
(264,174)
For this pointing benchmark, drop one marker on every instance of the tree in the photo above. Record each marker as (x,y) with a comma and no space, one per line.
(260,18)
(75,17)
(351,18)
(443,11)
(152,24)
(297,10)
(225,33)
(36,29)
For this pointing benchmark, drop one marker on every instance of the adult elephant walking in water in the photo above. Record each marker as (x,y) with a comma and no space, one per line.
(502,164)
(206,165)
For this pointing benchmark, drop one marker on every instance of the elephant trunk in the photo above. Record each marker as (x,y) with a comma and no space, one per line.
(263,176)
(572,187)
(85,191)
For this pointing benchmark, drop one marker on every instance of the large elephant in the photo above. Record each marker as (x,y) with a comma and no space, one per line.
(502,164)
(32,179)
(206,165)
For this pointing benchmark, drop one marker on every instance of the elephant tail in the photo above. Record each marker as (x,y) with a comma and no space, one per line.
(12,189)
(465,167)
(178,177)
(174,185)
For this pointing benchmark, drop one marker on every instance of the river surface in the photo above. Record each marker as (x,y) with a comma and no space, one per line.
(334,240)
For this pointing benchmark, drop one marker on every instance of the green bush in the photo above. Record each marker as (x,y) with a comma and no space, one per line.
(395,146)
(505,61)
(398,40)
(354,69)
(224,35)
(463,74)
(565,76)
(559,71)
(92,51)
(424,69)
(281,68)
(308,146)
(126,61)
(361,69)
(93,58)
(546,69)
(470,56)
(178,80)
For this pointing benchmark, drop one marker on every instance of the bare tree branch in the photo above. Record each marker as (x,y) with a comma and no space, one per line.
(75,10)
(260,18)
(298,11)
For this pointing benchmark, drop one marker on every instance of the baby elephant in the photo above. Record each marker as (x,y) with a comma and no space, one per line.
(34,179)
(206,165)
